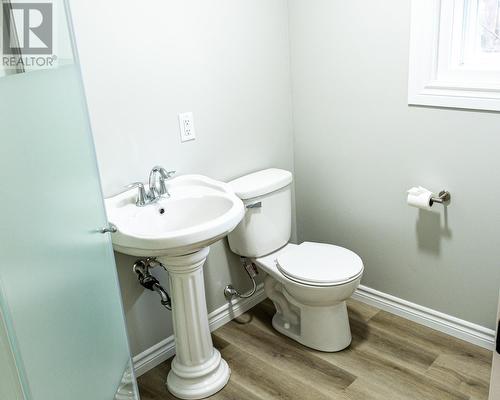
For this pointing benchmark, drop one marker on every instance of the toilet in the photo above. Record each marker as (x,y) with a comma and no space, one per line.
(308,283)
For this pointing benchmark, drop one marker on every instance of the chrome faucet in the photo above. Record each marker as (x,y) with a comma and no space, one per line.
(155,192)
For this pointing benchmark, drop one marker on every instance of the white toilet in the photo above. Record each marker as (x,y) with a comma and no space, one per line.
(308,283)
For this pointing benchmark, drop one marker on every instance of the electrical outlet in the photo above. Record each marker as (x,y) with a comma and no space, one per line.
(186,124)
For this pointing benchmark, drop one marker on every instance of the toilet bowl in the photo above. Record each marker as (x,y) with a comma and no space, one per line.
(308,283)
(313,312)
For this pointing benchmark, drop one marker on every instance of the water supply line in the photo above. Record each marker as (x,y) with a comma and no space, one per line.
(142,270)
(230,292)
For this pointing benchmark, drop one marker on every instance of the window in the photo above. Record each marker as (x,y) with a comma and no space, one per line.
(489,26)
(455,54)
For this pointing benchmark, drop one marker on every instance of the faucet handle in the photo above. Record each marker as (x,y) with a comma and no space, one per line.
(165,175)
(141,194)
(170,174)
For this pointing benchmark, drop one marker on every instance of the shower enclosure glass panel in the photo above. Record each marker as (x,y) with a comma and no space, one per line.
(62,328)
(10,386)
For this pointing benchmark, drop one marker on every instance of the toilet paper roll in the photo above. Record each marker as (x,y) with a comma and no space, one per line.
(420,197)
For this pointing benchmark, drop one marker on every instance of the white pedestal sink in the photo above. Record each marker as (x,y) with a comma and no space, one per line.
(178,231)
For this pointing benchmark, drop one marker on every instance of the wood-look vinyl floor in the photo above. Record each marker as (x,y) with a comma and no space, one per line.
(390,358)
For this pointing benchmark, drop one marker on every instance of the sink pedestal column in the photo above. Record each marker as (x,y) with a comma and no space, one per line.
(198,371)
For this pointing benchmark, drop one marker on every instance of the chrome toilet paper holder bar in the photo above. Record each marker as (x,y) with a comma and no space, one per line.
(444,197)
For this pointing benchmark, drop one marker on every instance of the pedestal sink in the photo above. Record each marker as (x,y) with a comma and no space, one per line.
(178,230)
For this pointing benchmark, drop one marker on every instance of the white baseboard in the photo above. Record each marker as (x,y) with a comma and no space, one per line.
(473,333)
(439,321)
(162,351)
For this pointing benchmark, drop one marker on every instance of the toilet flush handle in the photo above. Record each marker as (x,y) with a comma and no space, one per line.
(255,205)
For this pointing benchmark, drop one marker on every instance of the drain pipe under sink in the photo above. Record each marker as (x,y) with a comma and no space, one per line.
(141,269)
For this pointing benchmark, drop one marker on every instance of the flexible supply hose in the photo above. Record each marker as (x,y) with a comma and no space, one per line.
(251,270)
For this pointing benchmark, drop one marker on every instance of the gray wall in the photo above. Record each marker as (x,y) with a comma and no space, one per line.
(359,147)
(225,60)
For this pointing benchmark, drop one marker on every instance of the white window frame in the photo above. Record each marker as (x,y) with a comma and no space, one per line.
(438,75)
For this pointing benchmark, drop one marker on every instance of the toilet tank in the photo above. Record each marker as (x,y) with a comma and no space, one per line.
(266,226)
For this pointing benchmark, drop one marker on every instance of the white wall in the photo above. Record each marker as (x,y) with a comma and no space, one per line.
(143,63)
(359,147)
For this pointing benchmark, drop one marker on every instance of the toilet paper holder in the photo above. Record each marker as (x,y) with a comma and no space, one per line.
(444,197)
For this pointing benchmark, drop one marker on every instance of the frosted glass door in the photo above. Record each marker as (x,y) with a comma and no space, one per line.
(10,384)
(495,370)
(59,291)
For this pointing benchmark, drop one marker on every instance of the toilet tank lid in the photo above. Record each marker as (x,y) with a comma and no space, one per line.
(261,183)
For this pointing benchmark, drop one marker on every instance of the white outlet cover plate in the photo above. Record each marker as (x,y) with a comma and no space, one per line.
(186,125)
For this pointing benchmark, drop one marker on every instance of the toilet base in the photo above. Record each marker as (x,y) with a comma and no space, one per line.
(322,324)
(320,328)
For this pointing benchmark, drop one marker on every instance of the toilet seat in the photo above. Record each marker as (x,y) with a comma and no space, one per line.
(319,264)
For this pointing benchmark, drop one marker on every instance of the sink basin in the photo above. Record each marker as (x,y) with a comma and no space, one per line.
(199,212)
